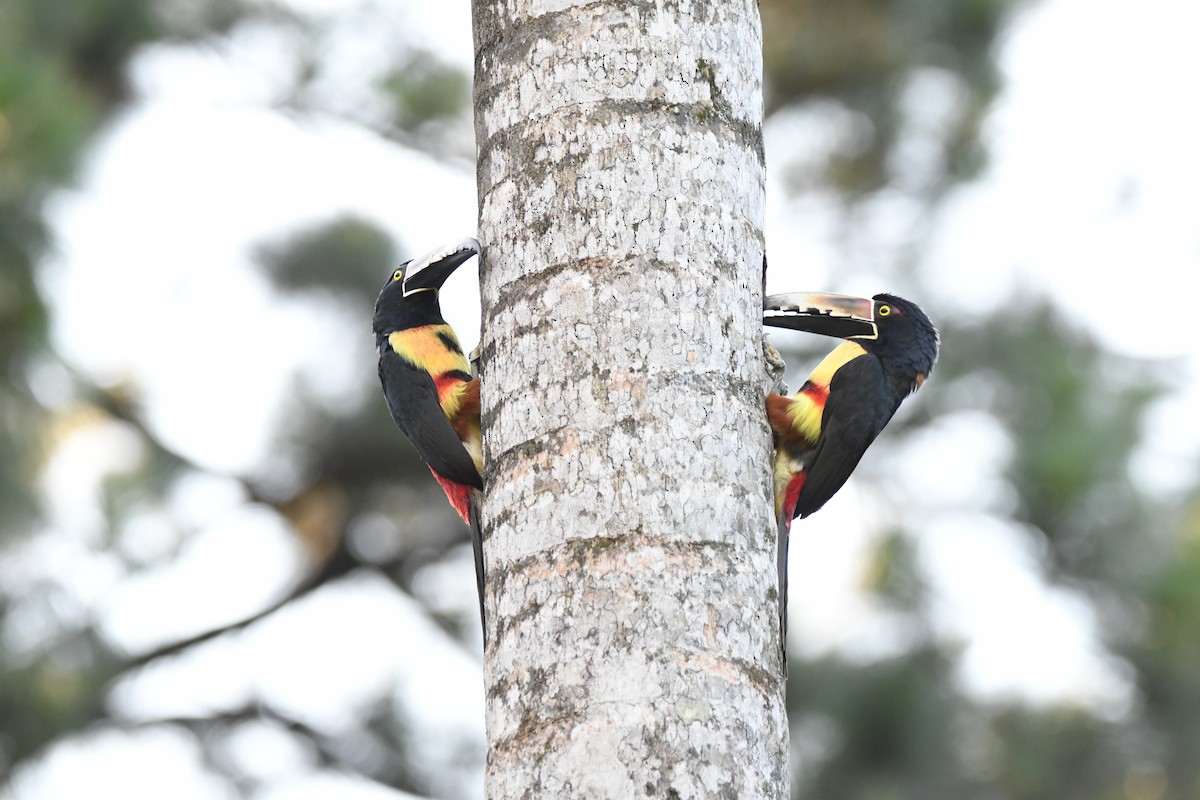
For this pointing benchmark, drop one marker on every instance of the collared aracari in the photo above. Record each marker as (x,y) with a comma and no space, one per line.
(822,431)
(428,385)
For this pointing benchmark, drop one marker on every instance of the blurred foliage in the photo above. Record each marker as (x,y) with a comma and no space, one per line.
(62,76)
(62,66)
(1166,656)
(423,89)
(1047,752)
(865,729)
(885,723)
(45,119)
(860,54)
(361,250)
(1071,484)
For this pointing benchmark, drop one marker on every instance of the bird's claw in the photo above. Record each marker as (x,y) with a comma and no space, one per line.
(774,365)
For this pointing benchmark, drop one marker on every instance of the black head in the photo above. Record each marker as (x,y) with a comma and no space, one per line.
(410,296)
(894,329)
(906,341)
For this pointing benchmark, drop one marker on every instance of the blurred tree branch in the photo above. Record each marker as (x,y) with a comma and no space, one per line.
(365,754)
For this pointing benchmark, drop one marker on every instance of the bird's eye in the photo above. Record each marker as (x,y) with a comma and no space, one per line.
(398,275)
(885,310)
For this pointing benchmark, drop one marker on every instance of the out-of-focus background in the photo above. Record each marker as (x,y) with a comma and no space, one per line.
(223,574)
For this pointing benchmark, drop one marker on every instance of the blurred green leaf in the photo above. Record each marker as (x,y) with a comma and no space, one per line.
(348,255)
(423,89)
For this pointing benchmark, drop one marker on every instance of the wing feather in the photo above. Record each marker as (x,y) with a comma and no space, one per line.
(858,408)
(412,399)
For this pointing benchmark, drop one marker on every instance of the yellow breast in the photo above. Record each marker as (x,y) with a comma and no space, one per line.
(807,407)
(841,355)
(426,348)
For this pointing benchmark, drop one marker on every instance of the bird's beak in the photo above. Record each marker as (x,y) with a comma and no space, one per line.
(430,271)
(839,315)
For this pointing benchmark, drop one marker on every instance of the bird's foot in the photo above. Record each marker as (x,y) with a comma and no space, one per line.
(775,365)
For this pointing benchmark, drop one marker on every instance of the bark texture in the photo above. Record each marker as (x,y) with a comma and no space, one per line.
(630,553)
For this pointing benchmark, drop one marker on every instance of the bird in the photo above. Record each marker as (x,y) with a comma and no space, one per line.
(429,386)
(820,433)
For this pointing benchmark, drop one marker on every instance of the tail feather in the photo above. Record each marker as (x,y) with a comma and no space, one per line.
(785,524)
(475,523)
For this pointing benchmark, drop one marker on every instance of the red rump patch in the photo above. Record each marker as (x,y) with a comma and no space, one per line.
(457,494)
(792,495)
(817,393)
(445,384)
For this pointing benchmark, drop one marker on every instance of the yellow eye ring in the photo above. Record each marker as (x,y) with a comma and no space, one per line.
(398,274)
(885,310)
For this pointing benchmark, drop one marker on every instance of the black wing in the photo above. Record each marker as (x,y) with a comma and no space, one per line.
(412,398)
(858,408)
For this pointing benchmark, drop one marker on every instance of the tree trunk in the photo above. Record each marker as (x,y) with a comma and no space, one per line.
(629,546)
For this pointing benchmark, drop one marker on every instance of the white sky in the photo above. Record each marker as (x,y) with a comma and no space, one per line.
(1094,184)
(1092,194)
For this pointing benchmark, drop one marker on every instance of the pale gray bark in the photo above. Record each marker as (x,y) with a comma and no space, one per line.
(630,554)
